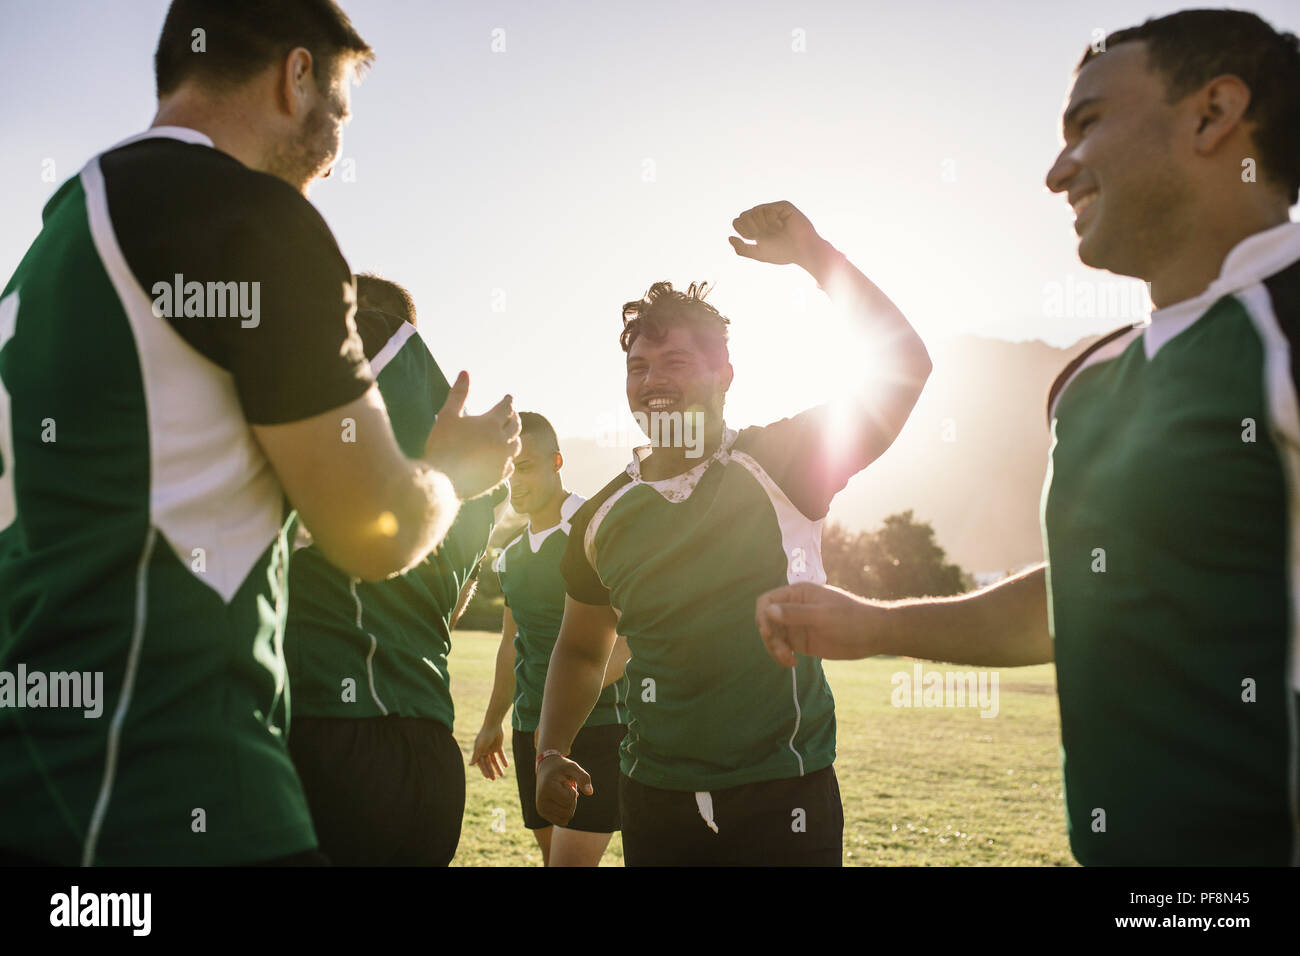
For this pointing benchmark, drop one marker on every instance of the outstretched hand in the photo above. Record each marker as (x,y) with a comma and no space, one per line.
(818,620)
(475,451)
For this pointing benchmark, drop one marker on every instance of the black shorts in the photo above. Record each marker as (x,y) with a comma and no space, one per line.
(798,821)
(382,790)
(595,749)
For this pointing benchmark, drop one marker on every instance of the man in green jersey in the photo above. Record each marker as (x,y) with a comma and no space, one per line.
(1171,510)
(185,321)
(529,570)
(371,734)
(728,758)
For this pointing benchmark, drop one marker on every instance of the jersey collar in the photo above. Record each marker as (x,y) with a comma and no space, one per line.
(182,133)
(567,508)
(679,487)
(1253,259)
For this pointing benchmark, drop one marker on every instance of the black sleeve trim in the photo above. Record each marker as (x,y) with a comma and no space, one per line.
(1284,292)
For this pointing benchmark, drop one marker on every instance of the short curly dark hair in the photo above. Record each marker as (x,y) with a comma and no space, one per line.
(1192,47)
(665,308)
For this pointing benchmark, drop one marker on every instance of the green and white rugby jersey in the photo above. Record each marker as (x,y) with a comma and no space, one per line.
(374,648)
(1170,516)
(141,527)
(529,570)
(683,561)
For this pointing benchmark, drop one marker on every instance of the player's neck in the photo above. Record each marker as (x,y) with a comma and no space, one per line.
(229,126)
(1198,262)
(671,461)
(548,517)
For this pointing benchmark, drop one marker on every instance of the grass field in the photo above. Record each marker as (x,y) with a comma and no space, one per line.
(922,786)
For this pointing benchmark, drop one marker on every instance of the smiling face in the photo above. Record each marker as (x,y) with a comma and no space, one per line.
(1121,168)
(536,479)
(674,375)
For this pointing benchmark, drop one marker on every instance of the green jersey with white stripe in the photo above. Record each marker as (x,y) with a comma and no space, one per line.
(373,648)
(529,570)
(142,530)
(683,561)
(1171,517)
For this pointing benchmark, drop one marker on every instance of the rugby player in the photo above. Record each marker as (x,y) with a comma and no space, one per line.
(148,541)
(372,714)
(1171,510)
(728,758)
(529,570)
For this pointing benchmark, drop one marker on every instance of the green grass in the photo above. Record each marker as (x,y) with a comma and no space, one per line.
(922,786)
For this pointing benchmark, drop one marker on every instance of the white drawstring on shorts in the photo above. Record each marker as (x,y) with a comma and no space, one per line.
(704,800)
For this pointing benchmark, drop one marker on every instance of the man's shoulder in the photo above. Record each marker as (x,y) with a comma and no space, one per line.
(509,552)
(1109,346)
(191,181)
(582,516)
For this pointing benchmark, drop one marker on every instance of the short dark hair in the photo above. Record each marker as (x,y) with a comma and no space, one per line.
(531,423)
(384,295)
(243,37)
(665,308)
(1192,47)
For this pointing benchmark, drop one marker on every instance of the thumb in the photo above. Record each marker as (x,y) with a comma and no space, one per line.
(455,402)
(747,249)
(582,779)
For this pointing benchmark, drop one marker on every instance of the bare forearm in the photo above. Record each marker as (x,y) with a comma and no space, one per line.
(878,317)
(417,509)
(573,685)
(503,682)
(1003,625)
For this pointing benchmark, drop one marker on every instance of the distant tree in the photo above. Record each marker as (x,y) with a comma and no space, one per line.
(900,559)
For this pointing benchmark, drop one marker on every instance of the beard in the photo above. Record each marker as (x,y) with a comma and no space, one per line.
(306,157)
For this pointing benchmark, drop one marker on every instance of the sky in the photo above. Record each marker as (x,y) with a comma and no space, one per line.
(525,168)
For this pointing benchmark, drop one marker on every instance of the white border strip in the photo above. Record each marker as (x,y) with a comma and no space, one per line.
(391,348)
(797,533)
(374,646)
(589,538)
(123,702)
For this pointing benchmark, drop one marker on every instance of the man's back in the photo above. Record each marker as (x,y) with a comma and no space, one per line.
(389,638)
(143,529)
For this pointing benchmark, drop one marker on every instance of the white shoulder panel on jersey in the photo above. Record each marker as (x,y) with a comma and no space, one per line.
(500,564)
(210,486)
